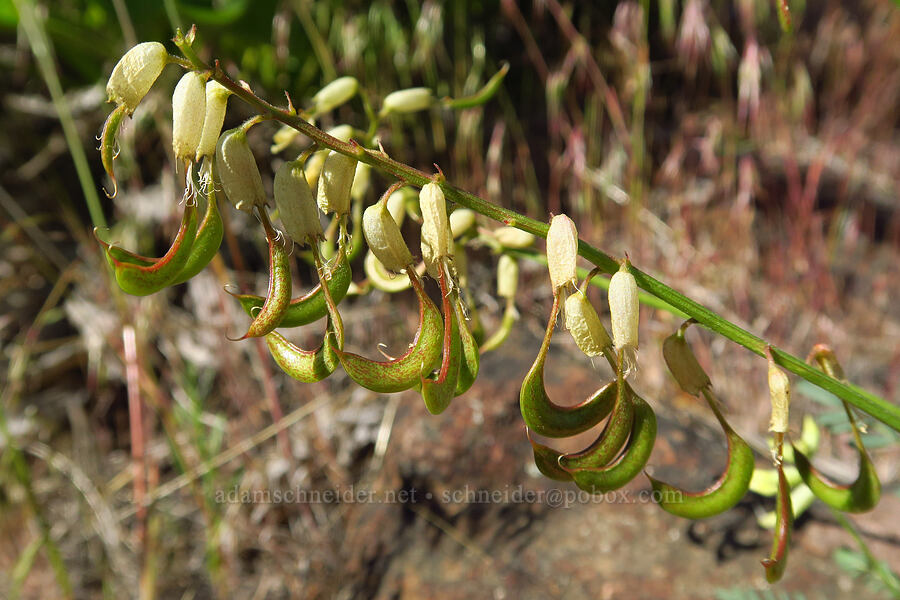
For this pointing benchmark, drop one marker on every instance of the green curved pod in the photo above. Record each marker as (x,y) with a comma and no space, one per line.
(403,372)
(307,366)
(722,495)
(546,459)
(776,562)
(140,276)
(860,496)
(510,316)
(279,294)
(541,414)
(471,359)
(207,242)
(115,254)
(108,144)
(439,389)
(864,493)
(633,460)
(609,444)
(309,307)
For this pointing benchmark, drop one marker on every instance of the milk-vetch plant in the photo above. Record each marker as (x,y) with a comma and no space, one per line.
(328,181)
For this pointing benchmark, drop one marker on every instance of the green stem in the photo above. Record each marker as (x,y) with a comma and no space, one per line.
(862,399)
(43,53)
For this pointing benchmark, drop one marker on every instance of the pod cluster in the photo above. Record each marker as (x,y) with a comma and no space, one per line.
(443,359)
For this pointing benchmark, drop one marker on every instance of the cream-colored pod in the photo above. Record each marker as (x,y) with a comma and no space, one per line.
(624,309)
(437,240)
(562,251)
(237,171)
(188,114)
(384,238)
(296,206)
(135,73)
(216,103)
(335,183)
(584,324)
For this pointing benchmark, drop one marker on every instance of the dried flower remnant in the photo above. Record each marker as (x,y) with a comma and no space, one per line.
(562,251)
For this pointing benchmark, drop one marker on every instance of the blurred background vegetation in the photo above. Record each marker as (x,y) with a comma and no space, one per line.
(754,170)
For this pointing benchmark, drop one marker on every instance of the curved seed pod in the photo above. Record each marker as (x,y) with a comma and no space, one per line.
(546,459)
(863,494)
(188,114)
(334,94)
(552,420)
(279,295)
(562,251)
(307,366)
(720,496)
(584,324)
(108,140)
(513,237)
(609,444)
(381,278)
(461,221)
(510,316)
(296,206)
(237,171)
(140,279)
(135,73)
(683,364)
(438,390)
(407,101)
(633,460)
(437,241)
(216,104)
(860,496)
(384,238)
(776,563)
(311,306)
(207,242)
(115,254)
(471,360)
(335,183)
(404,372)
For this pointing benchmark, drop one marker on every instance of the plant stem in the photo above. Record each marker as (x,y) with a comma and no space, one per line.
(869,403)
(43,54)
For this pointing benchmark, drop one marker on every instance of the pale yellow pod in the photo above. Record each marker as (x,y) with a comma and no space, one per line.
(396,205)
(407,101)
(624,309)
(361,181)
(237,171)
(382,279)
(135,73)
(461,220)
(335,183)
(296,206)
(507,277)
(562,251)
(341,132)
(437,241)
(584,324)
(512,237)
(314,167)
(335,93)
(780,396)
(216,103)
(683,364)
(384,238)
(188,114)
